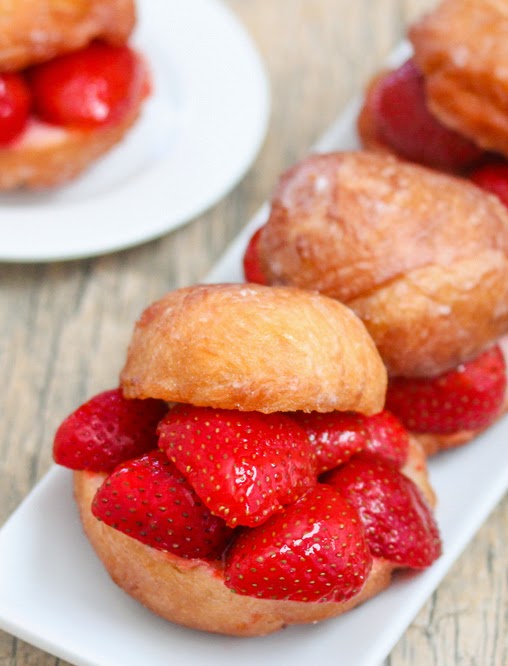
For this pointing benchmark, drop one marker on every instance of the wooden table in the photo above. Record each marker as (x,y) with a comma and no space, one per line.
(64,326)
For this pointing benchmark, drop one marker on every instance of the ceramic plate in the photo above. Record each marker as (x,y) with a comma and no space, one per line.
(199,132)
(56,595)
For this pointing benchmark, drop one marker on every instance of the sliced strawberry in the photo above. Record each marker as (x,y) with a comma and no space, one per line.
(107,430)
(149,499)
(398,106)
(244,465)
(251,263)
(337,436)
(466,398)
(92,87)
(387,438)
(315,550)
(15,104)
(493,178)
(398,522)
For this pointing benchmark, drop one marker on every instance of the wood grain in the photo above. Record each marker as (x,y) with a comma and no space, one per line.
(64,326)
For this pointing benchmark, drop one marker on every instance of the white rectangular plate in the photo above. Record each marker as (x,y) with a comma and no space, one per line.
(55,594)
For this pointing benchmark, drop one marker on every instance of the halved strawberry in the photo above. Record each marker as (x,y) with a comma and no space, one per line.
(244,465)
(88,88)
(493,178)
(150,500)
(107,430)
(337,436)
(466,398)
(251,264)
(403,122)
(398,522)
(315,550)
(15,104)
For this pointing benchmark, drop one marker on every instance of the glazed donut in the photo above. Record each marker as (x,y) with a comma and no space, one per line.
(254,349)
(192,592)
(47,51)
(33,31)
(446,107)
(421,257)
(461,48)
(219,350)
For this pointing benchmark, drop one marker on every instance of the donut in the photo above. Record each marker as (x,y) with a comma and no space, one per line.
(420,256)
(71,87)
(445,107)
(226,360)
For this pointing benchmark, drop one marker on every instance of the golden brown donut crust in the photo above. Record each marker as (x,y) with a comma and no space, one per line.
(462,49)
(34,31)
(192,592)
(48,156)
(421,257)
(250,347)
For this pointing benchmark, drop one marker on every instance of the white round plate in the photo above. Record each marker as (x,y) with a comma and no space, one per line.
(199,132)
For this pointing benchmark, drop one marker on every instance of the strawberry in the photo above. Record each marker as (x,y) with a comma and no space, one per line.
(15,105)
(244,465)
(251,263)
(387,438)
(89,88)
(493,178)
(466,398)
(107,430)
(403,122)
(337,436)
(399,524)
(149,499)
(315,550)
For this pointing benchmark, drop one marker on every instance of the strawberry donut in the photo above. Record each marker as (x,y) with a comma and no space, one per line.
(422,258)
(447,106)
(70,87)
(244,476)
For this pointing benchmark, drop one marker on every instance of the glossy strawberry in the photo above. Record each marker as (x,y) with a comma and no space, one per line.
(493,178)
(149,499)
(244,465)
(107,430)
(466,398)
(398,106)
(251,263)
(15,104)
(315,550)
(337,436)
(89,88)
(398,522)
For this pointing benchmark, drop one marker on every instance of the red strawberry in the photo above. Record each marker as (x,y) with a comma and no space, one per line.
(493,178)
(244,465)
(387,438)
(466,398)
(88,88)
(403,122)
(398,522)
(107,430)
(148,499)
(251,264)
(15,104)
(337,436)
(314,551)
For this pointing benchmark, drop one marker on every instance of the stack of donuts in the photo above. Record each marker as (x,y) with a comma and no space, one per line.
(70,87)
(263,460)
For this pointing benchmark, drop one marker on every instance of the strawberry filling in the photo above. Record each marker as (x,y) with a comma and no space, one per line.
(90,88)
(467,398)
(241,490)
(397,106)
